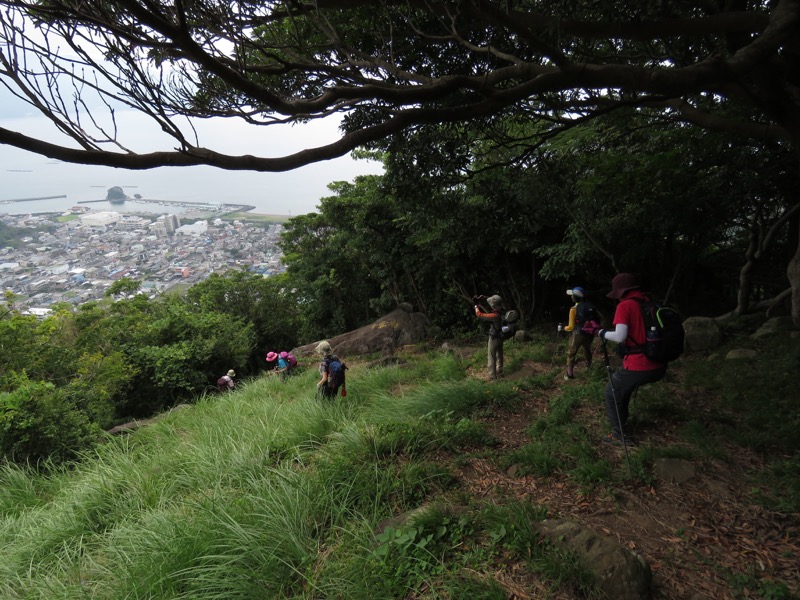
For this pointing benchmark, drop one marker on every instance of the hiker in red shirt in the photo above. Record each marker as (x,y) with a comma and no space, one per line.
(637,369)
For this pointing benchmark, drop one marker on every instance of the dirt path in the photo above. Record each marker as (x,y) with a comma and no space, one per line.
(703,538)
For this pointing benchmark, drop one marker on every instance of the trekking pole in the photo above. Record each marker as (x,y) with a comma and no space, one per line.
(616,406)
(559,335)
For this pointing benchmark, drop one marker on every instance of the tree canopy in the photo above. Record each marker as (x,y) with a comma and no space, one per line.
(387,67)
(501,79)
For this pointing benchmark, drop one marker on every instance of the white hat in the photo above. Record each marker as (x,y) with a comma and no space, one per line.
(231,373)
(578,292)
(324,347)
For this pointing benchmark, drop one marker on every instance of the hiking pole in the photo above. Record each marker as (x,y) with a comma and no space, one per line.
(616,406)
(558,347)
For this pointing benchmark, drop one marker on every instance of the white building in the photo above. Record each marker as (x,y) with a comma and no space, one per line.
(100,219)
(198,228)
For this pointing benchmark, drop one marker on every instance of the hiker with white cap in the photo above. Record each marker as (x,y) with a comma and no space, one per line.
(637,369)
(495,347)
(583,324)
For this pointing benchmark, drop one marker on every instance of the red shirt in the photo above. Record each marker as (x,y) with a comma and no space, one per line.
(629,312)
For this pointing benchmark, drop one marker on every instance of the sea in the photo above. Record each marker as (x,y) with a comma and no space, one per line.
(132,205)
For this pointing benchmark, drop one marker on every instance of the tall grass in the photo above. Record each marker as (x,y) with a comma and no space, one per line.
(272,492)
(245,494)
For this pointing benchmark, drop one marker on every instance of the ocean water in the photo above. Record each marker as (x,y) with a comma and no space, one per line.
(60,205)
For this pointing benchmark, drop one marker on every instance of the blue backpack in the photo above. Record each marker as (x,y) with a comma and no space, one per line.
(336,369)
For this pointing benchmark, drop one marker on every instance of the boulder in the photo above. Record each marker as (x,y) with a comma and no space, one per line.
(774,326)
(702,333)
(741,354)
(621,574)
(399,328)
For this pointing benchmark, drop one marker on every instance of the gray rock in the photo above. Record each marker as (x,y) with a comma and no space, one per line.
(397,329)
(673,470)
(621,574)
(775,326)
(741,353)
(702,333)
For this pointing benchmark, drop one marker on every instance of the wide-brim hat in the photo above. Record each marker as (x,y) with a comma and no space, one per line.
(231,373)
(621,283)
(271,356)
(495,301)
(324,347)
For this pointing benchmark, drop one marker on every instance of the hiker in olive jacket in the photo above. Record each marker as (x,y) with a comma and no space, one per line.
(495,347)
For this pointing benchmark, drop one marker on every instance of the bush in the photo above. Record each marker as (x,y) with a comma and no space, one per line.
(37,422)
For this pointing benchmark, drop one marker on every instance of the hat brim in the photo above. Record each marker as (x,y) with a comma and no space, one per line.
(617,294)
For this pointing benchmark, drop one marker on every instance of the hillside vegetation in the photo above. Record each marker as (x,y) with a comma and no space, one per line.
(269,492)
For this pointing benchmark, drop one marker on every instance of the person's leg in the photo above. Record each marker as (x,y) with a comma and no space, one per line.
(492,358)
(572,351)
(620,388)
(586,344)
(499,357)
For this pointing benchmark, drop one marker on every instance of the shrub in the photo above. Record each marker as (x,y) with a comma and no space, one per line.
(37,422)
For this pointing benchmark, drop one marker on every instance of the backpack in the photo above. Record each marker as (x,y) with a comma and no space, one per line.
(292,360)
(587,318)
(336,369)
(508,324)
(663,327)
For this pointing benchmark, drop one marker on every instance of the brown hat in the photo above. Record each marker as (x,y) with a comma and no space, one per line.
(621,283)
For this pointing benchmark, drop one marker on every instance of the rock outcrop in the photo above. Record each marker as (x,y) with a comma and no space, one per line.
(400,327)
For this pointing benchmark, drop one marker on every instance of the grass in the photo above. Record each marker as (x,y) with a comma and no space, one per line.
(270,492)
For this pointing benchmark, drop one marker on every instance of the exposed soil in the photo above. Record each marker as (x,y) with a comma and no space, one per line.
(699,536)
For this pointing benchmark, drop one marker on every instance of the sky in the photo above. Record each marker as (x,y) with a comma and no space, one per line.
(27,175)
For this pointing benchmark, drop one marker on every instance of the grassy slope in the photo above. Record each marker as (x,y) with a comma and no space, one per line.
(271,493)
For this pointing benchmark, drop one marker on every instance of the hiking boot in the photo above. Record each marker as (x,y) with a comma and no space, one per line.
(568,377)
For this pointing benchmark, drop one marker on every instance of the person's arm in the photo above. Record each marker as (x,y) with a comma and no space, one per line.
(571,325)
(482,315)
(619,334)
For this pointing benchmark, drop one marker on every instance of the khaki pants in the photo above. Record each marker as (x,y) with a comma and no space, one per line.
(495,352)
(577,341)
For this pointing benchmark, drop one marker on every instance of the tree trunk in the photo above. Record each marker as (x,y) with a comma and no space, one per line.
(793,274)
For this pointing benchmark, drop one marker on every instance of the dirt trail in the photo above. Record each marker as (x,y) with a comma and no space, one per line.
(702,537)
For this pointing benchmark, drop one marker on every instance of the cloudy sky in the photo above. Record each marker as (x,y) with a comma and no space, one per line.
(27,175)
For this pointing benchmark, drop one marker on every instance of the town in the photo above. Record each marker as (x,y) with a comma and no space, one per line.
(76,256)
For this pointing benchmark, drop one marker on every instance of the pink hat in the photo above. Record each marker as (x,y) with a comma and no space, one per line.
(284,355)
(271,356)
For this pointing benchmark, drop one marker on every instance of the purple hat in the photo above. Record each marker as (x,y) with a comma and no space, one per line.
(271,356)
(621,283)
